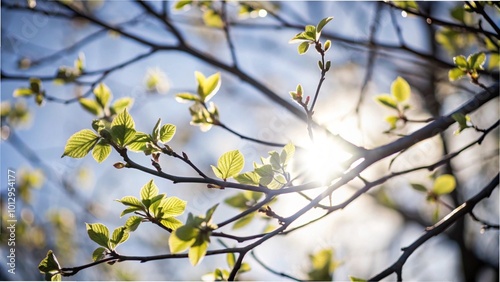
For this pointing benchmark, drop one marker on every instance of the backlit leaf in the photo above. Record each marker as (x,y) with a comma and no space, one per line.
(123,128)
(20,92)
(322,24)
(121,104)
(444,184)
(90,106)
(197,251)
(387,100)
(186,97)
(455,74)
(102,95)
(182,238)
(80,144)
(461,62)
(98,233)
(172,206)
(171,222)
(98,254)
(120,235)
(248,178)
(101,151)
(476,61)
(149,190)
(230,164)
(167,131)
(400,89)
(303,47)
(133,222)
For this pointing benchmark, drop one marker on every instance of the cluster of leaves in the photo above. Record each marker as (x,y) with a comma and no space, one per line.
(272,173)
(467,66)
(35,89)
(201,114)
(15,114)
(212,11)
(310,36)
(400,93)
(220,274)
(194,235)
(443,185)
(211,15)
(120,133)
(100,105)
(66,74)
(153,207)
(456,41)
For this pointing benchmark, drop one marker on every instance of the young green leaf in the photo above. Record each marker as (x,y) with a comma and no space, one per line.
(387,100)
(20,92)
(310,32)
(49,264)
(167,131)
(133,222)
(400,89)
(248,178)
(210,212)
(90,106)
(322,24)
(229,164)
(123,128)
(461,62)
(171,222)
(418,187)
(392,121)
(98,253)
(212,18)
(328,44)
(456,73)
(182,238)
(80,144)
(287,153)
(172,206)
(156,130)
(149,190)
(230,259)
(476,61)
(101,151)
(183,4)
(197,251)
(186,97)
(444,184)
(303,47)
(98,233)
(102,95)
(139,143)
(121,104)
(132,201)
(120,235)
(210,86)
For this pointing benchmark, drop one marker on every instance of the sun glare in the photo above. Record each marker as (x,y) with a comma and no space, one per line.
(324,159)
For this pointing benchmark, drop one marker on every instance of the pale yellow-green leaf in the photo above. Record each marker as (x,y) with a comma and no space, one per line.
(20,92)
(103,95)
(90,106)
(98,233)
(80,144)
(400,89)
(172,206)
(123,128)
(182,238)
(167,131)
(387,100)
(230,164)
(101,151)
(149,190)
(121,104)
(444,184)
(197,252)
